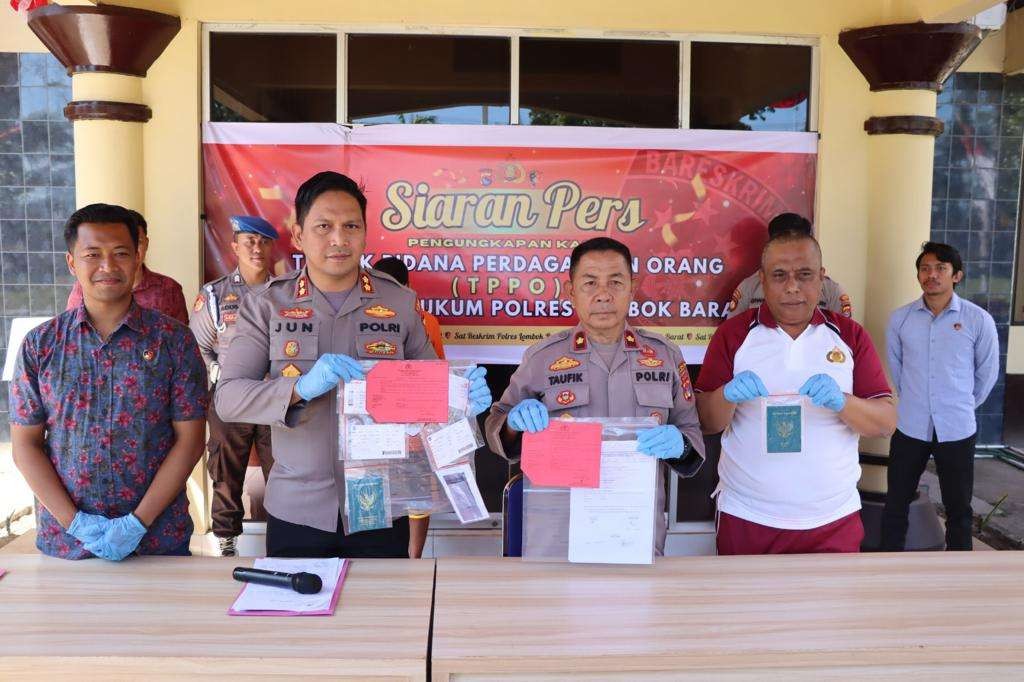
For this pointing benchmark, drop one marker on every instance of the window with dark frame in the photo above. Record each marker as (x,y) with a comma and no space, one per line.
(429,79)
(273,77)
(745,86)
(623,83)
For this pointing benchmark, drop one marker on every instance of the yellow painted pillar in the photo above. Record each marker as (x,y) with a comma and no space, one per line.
(108,117)
(905,66)
(108,49)
(899,219)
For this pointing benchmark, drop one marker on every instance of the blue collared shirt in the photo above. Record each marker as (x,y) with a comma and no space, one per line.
(943,367)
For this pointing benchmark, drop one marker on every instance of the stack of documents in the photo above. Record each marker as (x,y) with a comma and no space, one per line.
(261,600)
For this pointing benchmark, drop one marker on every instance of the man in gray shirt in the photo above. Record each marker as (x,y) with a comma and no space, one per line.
(944,358)
(750,294)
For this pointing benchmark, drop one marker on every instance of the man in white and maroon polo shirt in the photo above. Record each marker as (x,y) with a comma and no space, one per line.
(802,498)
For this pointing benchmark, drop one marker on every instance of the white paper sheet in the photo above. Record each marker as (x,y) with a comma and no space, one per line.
(614,524)
(460,486)
(452,443)
(458,393)
(376,441)
(263,598)
(355,397)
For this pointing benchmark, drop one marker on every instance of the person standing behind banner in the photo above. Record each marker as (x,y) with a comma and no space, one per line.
(419,524)
(750,294)
(789,470)
(213,323)
(295,340)
(604,368)
(149,289)
(944,358)
(108,407)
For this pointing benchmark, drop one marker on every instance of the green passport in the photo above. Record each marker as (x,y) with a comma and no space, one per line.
(366,503)
(784,426)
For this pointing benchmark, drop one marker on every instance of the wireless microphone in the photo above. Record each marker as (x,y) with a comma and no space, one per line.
(303,583)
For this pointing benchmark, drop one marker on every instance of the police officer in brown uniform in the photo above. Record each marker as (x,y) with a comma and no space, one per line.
(604,368)
(213,322)
(750,294)
(294,341)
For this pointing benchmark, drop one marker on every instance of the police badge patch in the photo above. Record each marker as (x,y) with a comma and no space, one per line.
(296,313)
(562,363)
(381,348)
(380,312)
(565,398)
(684,378)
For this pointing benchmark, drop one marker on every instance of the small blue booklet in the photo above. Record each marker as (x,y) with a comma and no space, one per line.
(368,503)
(784,428)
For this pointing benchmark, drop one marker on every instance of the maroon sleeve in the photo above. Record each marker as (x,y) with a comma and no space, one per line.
(75,297)
(179,310)
(869,380)
(716,371)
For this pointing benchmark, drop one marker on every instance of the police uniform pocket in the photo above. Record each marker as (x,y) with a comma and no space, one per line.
(379,346)
(293,347)
(654,395)
(293,340)
(558,398)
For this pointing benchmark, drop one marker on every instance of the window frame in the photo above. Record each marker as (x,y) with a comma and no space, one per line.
(684,40)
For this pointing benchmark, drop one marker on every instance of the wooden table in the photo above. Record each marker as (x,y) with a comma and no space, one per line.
(166,617)
(883,616)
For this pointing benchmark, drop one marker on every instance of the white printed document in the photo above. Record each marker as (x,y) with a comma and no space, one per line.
(376,441)
(261,599)
(614,524)
(458,393)
(452,443)
(355,397)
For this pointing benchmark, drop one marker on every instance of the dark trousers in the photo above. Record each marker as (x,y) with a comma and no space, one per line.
(286,539)
(954,463)
(229,447)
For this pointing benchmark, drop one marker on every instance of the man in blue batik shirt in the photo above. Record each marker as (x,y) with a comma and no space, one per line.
(108,407)
(944,358)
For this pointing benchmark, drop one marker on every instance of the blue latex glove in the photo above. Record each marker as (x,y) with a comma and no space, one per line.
(480,397)
(663,442)
(744,386)
(122,537)
(88,527)
(329,369)
(530,415)
(824,392)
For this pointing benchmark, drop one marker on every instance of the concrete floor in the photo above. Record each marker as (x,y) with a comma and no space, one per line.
(15,496)
(993,478)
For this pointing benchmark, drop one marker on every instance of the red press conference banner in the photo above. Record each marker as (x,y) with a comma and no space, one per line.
(485,217)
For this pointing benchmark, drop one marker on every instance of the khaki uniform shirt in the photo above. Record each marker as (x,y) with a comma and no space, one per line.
(647,378)
(750,294)
(214,335)
(280,333)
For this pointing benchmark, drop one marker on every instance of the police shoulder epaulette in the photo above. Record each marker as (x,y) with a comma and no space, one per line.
(554,338)
(286,277)
(648,334)
(215,282)
(383,276)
